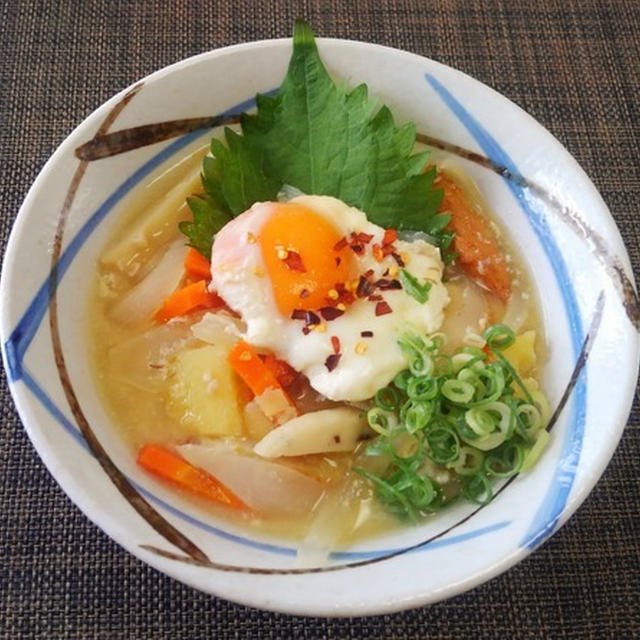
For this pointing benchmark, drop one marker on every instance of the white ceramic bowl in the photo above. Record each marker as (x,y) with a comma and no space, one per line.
(562,227)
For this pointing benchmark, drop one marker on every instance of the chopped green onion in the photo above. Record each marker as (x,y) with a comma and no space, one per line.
(477,488)
(423,388)
(528,415)
(461,412)
(401,380)
(458,391)
(499,337)
(468,462)
(413,287)
(379,421)
(443,443)
(387,399)
(416,415)
(531,457)
(481,421)
(505,462)
(421,365)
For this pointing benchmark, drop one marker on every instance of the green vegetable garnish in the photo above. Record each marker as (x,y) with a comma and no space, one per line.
(450,424)
(324,140)
(413,286)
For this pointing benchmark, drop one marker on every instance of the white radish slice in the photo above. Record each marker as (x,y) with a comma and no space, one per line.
(141,361)
(218,327)
(266,487)
(336,429)
(332,517)
(147,296)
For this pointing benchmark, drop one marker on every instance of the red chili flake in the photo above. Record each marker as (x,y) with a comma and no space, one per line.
(382,308)
(366,334)
(294,262)
(368,273)
(347,298)
(365,288)
(332,361)
(378,254)
(390,236)
(304,293)
(341,244)
(338,261)
(362,238)
(388,249)
(330,313)
(398,259)
(388,284)
(335,343)
(306,331)
(375,298)
(358,249)
(309,317)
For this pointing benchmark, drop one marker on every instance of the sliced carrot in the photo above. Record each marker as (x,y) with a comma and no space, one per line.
(164,463)
(194,296)
(285,374)
(254,372)
(196,265)
(479,254)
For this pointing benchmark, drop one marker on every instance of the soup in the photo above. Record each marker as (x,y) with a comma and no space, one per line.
(170,382)
(309,368)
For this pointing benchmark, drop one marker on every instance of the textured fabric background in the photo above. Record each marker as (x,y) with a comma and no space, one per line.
(572,64)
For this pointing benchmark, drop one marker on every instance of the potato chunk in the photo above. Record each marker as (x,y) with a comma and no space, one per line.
(203,392)
(521,354)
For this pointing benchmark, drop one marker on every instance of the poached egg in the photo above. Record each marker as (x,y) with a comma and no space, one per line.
(320,286)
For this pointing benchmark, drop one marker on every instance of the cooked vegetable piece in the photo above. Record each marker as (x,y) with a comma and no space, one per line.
(158,222)
(203,394)
(521,354)
(194,296)
(285,374)
(479,254)
(196,265)
(250,367)
(164,463)
(270,396)
(267,487)
(218,326)
(256,423)
(142,361)
(139,304)
(338,429)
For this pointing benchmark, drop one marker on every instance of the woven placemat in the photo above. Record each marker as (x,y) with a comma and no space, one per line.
(571,64)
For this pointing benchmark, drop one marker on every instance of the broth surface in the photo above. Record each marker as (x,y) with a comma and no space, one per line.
(135,388)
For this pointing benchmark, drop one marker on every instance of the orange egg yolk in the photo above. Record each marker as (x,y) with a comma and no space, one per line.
(299,252)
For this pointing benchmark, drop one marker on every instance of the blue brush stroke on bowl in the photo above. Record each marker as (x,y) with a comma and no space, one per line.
(554,502)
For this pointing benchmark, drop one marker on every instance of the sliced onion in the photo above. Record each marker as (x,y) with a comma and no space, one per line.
(266,487)
(139,304)
(141,361)
(219,326)
(466,313)
(517,311)
(331,518)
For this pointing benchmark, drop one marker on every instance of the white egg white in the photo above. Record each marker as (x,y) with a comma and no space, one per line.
(366,363)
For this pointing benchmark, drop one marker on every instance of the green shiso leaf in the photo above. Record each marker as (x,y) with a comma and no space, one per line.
(208,219)
(324,140)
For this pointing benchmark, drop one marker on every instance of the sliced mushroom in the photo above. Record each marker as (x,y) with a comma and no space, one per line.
(337,429)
